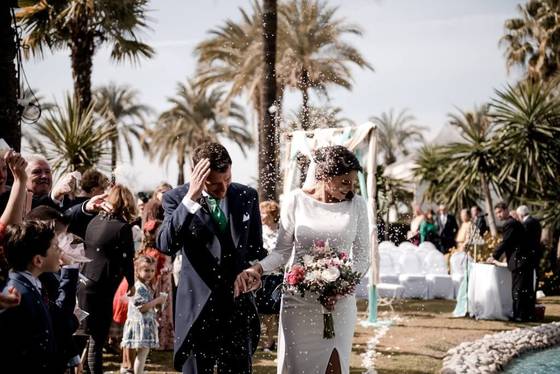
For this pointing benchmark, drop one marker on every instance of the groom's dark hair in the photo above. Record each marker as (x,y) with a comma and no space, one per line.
(216,153)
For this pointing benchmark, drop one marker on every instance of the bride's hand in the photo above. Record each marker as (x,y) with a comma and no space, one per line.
(246,281)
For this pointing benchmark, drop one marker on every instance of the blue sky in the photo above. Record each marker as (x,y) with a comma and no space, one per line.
(429,56)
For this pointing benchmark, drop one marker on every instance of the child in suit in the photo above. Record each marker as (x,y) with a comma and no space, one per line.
(29,344)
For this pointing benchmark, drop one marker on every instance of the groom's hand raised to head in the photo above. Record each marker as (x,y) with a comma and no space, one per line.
(198,178)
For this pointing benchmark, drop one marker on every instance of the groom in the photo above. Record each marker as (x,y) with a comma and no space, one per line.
(215,224)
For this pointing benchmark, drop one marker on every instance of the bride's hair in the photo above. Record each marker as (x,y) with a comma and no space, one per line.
(334,160)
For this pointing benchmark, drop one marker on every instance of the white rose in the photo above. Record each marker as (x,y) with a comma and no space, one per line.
(311,276)
(308,260)
(330,274)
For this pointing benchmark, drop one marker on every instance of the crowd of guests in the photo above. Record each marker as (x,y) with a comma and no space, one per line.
(520,245)
(442,229)
(59,305)
(63,310)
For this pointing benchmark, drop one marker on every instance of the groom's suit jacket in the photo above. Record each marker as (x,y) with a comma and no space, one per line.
(195,237)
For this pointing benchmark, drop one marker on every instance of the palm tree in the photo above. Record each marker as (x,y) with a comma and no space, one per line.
(531,40)
(318,117)
(316,56)
(234,55)
(268,136)
(70,137)
(475,160)
(528,119)
(196,116)
(396,133)
(82,26)
(119,106)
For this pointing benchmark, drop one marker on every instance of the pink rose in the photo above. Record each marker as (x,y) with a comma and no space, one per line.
(295,275)
(343,256)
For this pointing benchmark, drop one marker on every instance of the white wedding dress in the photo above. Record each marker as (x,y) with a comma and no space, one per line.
(302,348)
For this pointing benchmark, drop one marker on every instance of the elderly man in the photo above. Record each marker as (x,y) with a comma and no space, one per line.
(533,232)
(40,184)
(519,260)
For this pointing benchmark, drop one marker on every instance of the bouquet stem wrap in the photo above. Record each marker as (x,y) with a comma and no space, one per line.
(328,324)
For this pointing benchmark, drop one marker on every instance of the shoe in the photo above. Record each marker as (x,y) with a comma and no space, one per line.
(126,371)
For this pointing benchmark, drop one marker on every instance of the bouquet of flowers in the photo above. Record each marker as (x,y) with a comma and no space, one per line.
(326,272)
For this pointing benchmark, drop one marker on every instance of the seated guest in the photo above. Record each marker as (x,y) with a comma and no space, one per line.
(29,343)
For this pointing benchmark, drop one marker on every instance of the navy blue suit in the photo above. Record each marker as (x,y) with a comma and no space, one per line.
(29,340)
(207,318)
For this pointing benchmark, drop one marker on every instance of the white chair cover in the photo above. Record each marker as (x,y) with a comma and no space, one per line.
(386,245)
(388,270)
(434,262)
(440,285)
(412,275)
(427,245)
(408,246)
(410,263)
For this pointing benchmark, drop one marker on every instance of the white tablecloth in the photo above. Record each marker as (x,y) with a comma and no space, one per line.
(490,292)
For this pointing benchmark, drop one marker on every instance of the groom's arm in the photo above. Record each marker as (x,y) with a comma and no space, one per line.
(177,215)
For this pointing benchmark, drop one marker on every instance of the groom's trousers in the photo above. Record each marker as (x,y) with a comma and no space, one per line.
(221,337)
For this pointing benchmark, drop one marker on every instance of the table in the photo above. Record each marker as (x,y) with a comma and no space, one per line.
(490,292)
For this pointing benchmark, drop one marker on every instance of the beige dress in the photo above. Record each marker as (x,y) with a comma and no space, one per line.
(302,348)
(463,235)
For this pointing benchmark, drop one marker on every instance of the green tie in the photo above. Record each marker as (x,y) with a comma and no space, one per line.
(217,213)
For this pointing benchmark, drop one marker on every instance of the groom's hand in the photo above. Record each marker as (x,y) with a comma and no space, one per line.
(198,178)
(248,280)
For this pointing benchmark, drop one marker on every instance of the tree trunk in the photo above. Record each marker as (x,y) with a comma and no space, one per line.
(489,205)
(305,107)
(81,53)
(268,137)
(114,144)
(10,129)
(181,165)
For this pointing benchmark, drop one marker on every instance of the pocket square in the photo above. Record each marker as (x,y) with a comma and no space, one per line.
(246,217)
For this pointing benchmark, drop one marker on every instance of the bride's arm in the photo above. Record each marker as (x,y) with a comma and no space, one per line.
(285,242)
(362,242)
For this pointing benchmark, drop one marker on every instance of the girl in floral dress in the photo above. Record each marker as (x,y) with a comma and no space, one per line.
(140,329)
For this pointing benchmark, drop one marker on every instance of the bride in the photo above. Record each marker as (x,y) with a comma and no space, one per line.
(327,210)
